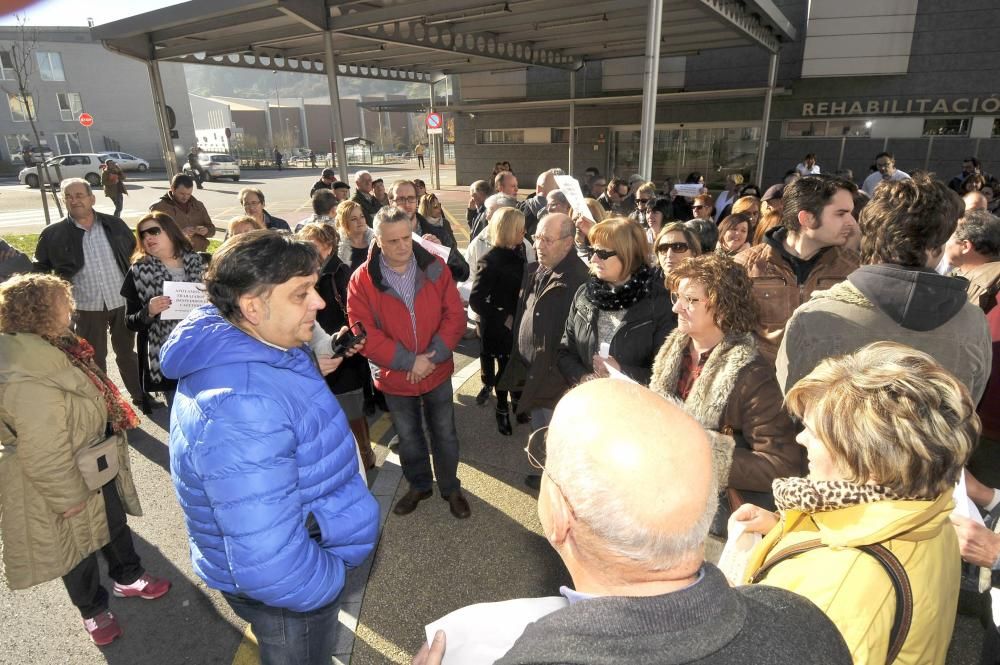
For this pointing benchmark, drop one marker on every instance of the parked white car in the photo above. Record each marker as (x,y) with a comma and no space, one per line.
(129,162)
(82,165)
(216,165)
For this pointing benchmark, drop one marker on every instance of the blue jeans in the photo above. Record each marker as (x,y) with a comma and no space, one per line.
(290,638)
(408,419)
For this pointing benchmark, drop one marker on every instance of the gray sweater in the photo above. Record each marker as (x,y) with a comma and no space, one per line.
(709,622)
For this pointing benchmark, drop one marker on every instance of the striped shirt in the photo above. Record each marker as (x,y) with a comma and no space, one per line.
(98,284)
(405,285)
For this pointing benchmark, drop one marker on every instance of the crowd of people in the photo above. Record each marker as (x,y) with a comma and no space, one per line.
(814,364)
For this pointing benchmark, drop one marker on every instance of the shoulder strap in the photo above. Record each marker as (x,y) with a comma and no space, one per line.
(890,564)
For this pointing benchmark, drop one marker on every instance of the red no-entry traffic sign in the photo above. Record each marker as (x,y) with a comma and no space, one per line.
(86,119)
(433,121)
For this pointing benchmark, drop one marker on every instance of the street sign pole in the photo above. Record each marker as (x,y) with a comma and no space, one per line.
(90,139)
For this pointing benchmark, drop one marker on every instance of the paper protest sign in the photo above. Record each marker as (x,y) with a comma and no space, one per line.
(571,189)
(184,297)
(434,248)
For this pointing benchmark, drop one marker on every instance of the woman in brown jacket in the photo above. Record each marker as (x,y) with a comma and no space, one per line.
(55,403)
(711,363)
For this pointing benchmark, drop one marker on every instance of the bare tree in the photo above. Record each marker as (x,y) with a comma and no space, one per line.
(22,57)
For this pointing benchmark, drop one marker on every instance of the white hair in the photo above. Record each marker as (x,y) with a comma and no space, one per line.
(69,182)
(498,201)
(389,215)
(609,515)
(361,174)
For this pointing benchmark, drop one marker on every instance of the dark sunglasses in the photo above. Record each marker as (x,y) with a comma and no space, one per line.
(698,207)
(605,254)
(643,201)
(150,231)
(676,247)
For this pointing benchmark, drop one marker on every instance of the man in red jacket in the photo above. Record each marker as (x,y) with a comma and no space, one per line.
(407,301)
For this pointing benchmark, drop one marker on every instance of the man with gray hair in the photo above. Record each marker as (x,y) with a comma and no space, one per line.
(478,191)
(363,196)
(407,301)
(974,251)
(490,205)
(93,251)
(628,492)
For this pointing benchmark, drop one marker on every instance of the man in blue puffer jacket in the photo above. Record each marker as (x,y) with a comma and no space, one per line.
(261,455)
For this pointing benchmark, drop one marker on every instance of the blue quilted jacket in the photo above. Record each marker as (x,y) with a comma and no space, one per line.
(257,444)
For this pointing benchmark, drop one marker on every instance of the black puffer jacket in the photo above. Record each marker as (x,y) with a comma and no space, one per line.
(634,345)
(332,286)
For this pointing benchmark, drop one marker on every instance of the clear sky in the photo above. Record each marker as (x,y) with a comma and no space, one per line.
(75,12)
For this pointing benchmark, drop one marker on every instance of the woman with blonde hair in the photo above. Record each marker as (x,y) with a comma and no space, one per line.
(243,224)
(866,536)
(621,315)
(711,364)
(355,234)
(749,206)
(494,299)
(59,505)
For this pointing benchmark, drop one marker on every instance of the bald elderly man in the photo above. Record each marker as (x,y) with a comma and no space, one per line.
(627,496)
(975,201)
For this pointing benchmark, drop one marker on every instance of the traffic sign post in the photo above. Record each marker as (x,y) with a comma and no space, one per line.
(434,123)
(87,120)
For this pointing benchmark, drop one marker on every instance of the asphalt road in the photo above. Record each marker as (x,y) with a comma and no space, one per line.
(286,193)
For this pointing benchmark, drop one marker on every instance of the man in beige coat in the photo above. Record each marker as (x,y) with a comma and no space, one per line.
(189,213)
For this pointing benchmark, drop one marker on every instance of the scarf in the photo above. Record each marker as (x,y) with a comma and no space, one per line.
(817,496)
(150,273)
(608,297)
(121,416)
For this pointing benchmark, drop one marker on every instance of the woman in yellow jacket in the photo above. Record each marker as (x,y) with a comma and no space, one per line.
(888,432)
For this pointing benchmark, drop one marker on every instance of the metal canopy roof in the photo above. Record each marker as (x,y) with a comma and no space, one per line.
(422,40)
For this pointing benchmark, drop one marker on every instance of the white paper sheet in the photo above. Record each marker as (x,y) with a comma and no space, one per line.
(964,506)
(480,634)
(690,190)
(617,374)
(184,297)
(433,247)
(571,189)
(736,554)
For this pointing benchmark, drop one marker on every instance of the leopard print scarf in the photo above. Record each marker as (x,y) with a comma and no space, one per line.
(817,496)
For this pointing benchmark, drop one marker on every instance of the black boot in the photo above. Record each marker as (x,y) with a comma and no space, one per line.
(503,422)
(483,396)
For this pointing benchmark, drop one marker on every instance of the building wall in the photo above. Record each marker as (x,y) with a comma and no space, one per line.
(114,89)
(951,73)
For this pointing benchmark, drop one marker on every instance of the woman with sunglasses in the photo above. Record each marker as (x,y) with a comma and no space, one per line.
(621,315)
(163,254)
(711,363)
(674,243)
(432,219)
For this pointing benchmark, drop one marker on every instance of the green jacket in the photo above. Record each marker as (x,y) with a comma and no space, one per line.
(48,411)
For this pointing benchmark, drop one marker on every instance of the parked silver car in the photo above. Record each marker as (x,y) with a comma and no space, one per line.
(129,162)
(216,165)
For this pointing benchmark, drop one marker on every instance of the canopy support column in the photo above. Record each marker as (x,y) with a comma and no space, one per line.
(336,122)
(772,78)
(162,124)
(650,86)
(572,121)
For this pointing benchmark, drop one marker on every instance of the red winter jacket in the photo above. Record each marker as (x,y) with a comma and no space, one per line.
(391,345)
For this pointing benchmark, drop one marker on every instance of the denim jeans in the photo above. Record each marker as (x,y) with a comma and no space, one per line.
(290,638)
(408,414)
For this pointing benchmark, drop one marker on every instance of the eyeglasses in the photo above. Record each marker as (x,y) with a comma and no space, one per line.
(675,247)
(400,200)
(698,207)
(150,231)
(542,240)
(252,204)
(686,303)
(643,201)
(604,254)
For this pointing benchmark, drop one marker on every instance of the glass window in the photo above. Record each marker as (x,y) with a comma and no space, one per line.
(804,128)
(67,142)
(18,110)
(16,143)
(50,66)
(6,66)
(70,105)
(946,127)
(849,128)
(561,135)
(494,136)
